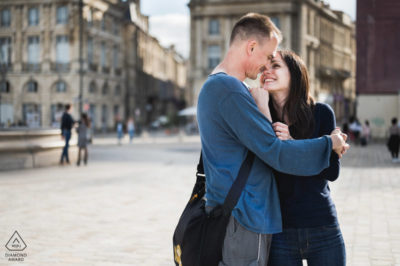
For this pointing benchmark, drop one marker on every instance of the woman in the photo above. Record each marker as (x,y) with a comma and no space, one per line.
(394,140)
(82,130)
(310,227)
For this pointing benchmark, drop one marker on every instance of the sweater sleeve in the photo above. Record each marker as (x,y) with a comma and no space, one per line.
(327,122)
(247,124)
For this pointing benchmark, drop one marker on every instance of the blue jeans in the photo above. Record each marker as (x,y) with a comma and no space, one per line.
(67,137)
(320,246)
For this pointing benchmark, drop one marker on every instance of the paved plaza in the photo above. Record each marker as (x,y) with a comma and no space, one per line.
(122,208)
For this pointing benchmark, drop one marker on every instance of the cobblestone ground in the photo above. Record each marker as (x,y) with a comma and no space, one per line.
(122,208)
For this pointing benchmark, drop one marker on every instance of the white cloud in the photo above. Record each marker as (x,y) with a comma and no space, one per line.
(172,29)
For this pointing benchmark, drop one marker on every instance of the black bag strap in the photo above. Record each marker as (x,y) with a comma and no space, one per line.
(237,186)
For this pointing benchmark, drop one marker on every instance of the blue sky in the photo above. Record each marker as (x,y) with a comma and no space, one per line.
(169,20)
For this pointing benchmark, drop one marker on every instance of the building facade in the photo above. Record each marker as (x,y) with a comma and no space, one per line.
(40,62)
(378,80)
(325,39)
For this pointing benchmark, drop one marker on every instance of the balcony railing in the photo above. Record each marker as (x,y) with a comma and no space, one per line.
(93,67)
(31,67)
(5,67)
(105,69)
(60,67)
(118,71)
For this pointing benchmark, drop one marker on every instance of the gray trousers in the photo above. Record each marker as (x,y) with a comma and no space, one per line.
(243,247)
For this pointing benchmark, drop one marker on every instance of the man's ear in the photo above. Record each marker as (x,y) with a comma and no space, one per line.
(250,47)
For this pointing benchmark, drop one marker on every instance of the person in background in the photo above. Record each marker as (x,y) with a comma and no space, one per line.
(365,134)
(131,129)
(67,122)
(394,140)
(355,129)
(308,212)
(82,130)
(120,131)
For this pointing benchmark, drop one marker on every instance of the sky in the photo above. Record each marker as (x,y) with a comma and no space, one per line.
(170,20)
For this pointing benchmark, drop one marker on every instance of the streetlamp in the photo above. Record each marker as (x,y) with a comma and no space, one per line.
(80,56)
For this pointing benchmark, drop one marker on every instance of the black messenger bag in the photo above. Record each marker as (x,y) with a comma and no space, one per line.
(199,237)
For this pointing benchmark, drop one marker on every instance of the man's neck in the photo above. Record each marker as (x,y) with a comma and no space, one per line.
(231,66)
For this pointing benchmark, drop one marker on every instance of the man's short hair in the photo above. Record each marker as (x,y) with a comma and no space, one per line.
(67,106)
(254,25)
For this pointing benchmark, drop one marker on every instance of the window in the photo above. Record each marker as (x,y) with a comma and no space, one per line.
(213,27)
(61,86)
(90,17)
(4,86)
(275,20)
(105,88)
(214,55)
(116,111)
(92,87)
(103,23)
(92,114)
(103,54)
(118,90)
(33,50)
(5,50)
(33,16)
(62,49)
(57,111)
(116,57)
(31,114)
(116,27)
(104,116)
(32,86)
(62,15)
(90,50)
(5,18)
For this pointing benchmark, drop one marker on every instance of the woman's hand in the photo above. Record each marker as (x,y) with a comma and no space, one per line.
(281,131)
(261,97)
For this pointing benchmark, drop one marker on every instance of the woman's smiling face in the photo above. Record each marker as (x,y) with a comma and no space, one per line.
(276,76)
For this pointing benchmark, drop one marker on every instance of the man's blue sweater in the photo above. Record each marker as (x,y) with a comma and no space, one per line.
(230,124)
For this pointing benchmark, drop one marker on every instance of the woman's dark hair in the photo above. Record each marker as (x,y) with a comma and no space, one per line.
(299,104)
(85,119)
(394,121)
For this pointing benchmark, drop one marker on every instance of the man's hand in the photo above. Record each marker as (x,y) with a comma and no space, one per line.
(261,97)
(339,144)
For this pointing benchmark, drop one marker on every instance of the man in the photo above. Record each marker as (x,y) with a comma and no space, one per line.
(67,122)
(231,124)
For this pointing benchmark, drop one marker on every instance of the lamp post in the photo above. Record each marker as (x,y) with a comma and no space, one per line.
(80,56)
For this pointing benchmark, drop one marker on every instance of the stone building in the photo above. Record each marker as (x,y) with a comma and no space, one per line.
(40,70)
(324,38)
(378,79)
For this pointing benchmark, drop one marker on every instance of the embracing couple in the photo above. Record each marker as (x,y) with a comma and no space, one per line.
(285,213)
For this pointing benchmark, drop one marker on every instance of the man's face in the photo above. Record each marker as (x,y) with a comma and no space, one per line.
(260,56)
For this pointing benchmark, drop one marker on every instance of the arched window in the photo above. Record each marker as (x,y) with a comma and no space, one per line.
(92,87)
(5,86)
(61,86)
(32,86)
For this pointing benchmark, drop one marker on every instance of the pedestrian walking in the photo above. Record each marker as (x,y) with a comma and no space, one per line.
(231,125)
(365,134)
(394,140)
(67,122)
(308,212)
(131,129)
(82,131)
(120,131)
(355,130)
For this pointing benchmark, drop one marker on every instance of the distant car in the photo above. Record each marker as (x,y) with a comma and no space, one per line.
(159,122)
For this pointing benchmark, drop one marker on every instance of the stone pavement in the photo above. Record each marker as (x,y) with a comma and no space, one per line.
(122,208)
